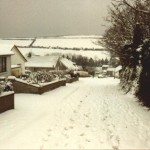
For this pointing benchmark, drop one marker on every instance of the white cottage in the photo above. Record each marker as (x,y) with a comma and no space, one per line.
(17,60)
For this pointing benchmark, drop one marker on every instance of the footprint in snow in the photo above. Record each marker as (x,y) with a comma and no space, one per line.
(79,106)
(41,148)
(65,129)
(71,120)
(81,147)
(87,126)
(45,139)
(86,115)
(115,147)
(117,139)
(71,127)
(87,140)
(82,134)
(49,130)
(66,145)
(75,111)
(94,130)
(65,135)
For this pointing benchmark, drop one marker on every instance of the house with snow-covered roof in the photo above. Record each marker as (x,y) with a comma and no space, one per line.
(17,60)
(118,70)
(5,60)
(66,64)
(41,63)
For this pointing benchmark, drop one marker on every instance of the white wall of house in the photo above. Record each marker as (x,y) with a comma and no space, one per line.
(8,67)
(17,59)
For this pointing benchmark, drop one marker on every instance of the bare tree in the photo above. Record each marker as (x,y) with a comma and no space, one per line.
(123,17)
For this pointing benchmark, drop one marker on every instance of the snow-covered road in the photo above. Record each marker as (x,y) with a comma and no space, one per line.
(89,114)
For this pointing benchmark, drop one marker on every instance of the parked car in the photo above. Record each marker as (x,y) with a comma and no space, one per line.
(100,76)
(83,73)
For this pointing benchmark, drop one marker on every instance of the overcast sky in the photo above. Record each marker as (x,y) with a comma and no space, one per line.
(32,18)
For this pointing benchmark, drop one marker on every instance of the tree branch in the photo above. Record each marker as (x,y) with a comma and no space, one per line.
(132,7)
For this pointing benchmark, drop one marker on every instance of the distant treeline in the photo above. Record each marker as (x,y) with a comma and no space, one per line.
(85,61)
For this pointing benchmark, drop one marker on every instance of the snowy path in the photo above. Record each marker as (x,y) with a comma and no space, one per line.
(89,114)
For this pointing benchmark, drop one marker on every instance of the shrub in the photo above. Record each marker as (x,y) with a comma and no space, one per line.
(5,86)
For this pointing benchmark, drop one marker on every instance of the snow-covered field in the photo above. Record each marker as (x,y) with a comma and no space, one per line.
(89,114)
(17,42)
(44,51)
(69,42)
(68,45)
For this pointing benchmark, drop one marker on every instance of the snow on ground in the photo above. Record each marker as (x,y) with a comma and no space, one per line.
(69,42)
(91,113)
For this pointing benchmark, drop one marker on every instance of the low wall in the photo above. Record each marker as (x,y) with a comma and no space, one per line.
(72,80)
(20,87)
(6,102)
(51,86)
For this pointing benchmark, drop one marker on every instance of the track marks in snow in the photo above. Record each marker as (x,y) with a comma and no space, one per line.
(88,114)
(73,123)
(94,117)
(110,127)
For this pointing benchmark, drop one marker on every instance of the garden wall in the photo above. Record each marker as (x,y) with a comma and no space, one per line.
(20,87)
(6,102)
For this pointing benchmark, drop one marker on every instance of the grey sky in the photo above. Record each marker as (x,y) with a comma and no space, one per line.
(29,18)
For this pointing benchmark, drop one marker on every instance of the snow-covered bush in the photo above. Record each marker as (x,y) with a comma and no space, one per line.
(40,77)
(1,88)
(5,86)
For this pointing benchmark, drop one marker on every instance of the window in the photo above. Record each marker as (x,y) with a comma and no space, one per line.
(2,64)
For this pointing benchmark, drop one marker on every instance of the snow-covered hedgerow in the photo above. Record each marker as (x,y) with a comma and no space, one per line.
(135,78)
(143,92)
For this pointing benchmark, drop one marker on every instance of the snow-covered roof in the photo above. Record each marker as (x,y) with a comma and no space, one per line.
(68,63)
(42,61)
(105,66)
(118,68)
(110,69)
(5,49)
